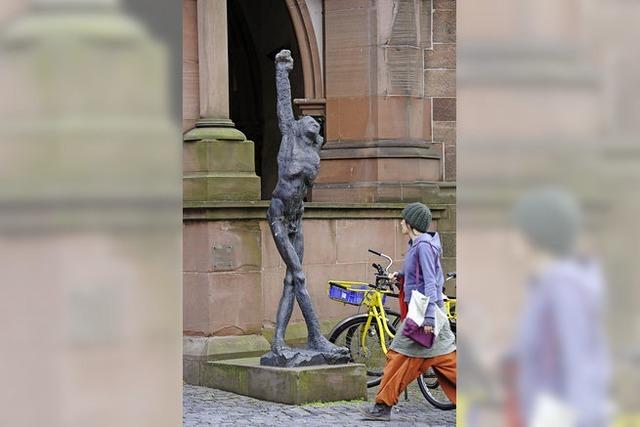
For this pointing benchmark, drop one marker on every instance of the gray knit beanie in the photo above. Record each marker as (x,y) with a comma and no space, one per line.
(550,218)
(418,216)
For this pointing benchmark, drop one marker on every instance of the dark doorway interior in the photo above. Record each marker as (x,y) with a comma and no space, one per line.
(257,31)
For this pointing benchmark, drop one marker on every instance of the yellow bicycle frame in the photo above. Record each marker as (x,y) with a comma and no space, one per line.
(373,300)
(448,304)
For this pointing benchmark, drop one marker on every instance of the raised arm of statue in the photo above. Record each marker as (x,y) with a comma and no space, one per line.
(284,65)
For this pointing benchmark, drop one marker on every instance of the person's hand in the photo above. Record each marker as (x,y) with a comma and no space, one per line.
(394,279)
(428,329)
(284,60)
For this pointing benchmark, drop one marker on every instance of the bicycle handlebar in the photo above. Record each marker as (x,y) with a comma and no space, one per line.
(387,257)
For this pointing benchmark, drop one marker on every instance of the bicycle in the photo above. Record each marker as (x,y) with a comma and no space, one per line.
(373,338)
(429,379)
(450,305)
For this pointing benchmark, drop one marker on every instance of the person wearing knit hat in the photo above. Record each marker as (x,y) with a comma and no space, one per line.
(418,216)
(407,359)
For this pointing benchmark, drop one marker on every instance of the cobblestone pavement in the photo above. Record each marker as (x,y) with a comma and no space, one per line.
(210,407)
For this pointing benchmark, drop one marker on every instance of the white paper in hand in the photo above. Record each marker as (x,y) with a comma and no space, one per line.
(417,307)
(440,320)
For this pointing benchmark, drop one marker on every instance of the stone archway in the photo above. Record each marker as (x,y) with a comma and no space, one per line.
(307,42)
(310,58)
(257,32)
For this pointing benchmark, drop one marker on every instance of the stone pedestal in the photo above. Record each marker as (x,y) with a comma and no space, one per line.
(293,386)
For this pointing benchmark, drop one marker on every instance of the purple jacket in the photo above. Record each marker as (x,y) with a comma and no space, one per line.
(560,346)
(428,250)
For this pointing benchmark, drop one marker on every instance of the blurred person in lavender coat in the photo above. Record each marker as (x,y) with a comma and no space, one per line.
(559,351)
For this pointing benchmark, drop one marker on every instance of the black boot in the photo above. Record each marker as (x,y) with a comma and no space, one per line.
(379,412)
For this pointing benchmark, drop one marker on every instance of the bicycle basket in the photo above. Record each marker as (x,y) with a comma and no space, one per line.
(343,291)
(346,291)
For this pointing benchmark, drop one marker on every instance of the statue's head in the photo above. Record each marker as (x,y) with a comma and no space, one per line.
(310,128)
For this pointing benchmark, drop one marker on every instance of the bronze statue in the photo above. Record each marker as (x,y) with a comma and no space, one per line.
(298,165)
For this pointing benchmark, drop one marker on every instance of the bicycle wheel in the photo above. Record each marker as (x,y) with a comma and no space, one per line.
(434,394)
(430,379)
(393,317)
(348,334)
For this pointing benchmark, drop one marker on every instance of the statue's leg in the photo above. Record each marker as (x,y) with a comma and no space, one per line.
(285,247)
(285,308)
(302,293)
(291,251)
(315,339)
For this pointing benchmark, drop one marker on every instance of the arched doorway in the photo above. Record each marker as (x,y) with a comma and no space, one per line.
(258,30)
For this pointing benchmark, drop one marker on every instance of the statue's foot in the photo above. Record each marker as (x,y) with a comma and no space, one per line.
(323,345)
(278,347)
(319,352)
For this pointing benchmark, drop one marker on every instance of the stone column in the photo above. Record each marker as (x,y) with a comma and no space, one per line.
(218,159)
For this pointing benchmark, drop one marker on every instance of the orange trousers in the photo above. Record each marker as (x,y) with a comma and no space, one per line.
(400,371)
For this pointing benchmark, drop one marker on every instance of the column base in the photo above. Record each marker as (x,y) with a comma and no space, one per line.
(214,129)
(219,163)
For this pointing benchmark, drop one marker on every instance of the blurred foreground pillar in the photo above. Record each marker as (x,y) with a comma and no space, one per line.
(89,230)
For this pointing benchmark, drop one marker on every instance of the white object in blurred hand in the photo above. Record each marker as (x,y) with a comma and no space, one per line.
(549,411)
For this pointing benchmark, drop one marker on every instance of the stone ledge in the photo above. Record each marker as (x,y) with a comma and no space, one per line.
(381,149)
(313,210)
(292,386)
(434,194)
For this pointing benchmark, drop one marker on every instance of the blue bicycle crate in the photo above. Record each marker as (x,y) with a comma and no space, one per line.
(339,292)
